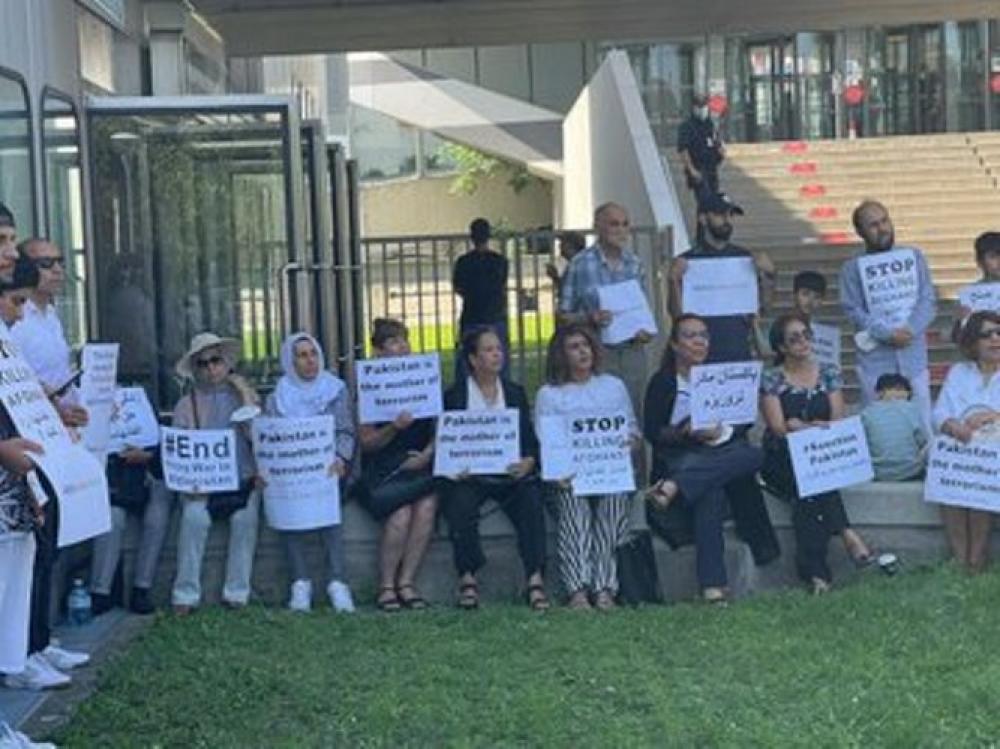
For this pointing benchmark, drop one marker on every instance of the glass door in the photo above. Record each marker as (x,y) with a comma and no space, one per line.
(198,219)
(773,112)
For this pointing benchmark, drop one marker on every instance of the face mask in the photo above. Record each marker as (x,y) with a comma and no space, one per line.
(701,113)
(722,232)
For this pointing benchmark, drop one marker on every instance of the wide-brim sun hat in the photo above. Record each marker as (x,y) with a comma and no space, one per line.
(230,347)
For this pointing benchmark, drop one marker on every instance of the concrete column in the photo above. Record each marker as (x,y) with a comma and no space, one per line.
(166,22)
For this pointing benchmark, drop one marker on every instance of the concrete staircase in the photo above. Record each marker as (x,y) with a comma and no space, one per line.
(941,191)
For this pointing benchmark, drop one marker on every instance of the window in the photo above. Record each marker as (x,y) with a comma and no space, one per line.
(17,184)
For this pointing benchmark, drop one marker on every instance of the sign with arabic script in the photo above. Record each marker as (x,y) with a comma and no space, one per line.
(724,393)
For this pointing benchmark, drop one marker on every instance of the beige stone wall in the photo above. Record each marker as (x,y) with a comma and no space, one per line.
(424,206)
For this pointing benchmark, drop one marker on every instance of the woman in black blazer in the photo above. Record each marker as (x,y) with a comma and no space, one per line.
(519,491)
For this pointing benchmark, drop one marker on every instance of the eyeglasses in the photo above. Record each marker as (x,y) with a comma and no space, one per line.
(799,336)
(985,335)
(48,263)
(209,362)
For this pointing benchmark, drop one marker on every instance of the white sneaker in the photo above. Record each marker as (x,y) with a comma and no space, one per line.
(11,739)
(38,674)
(301,598)
(340,597)
(65,660)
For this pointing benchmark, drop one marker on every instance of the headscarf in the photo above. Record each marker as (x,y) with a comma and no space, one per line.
(295,396)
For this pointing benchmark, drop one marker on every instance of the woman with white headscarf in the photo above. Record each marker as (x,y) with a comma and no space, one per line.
(307,389)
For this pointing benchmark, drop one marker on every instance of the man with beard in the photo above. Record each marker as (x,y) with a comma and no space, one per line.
(886,291)
(730,341)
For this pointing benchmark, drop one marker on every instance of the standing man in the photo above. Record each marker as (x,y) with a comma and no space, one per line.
(701,148)
(608,261)
(480,278)
(887,292)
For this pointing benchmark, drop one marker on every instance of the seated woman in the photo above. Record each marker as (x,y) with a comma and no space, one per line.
(799,393)
(307,389)
(396,486)
(217,393)
(518,492)
(590,528)
(693,465)
(968,410)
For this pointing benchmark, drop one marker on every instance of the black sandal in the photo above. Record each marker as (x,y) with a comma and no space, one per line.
(468,596)
(388,603)
(414,602)
(536,598)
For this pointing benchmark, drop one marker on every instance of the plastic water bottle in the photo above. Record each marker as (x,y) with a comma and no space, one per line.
(78,610)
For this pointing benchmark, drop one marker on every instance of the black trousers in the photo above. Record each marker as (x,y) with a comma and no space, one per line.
(816,520)
(39,624)
(752,521)
(521,501)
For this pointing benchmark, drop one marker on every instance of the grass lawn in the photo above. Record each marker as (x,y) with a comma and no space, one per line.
(907,661)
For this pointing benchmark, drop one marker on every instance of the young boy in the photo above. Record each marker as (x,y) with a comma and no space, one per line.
(895,429)
(988,259)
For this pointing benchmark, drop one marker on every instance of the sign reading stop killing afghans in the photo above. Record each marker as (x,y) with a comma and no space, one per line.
(480,443)
(964,475)
(831,457)
(97,393)
(390,385)
(724,393)
(591,450)
(891,284)
(294,457)
(199,461)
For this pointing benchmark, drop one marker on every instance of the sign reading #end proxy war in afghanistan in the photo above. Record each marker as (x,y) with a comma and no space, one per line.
(388,386)
(891,284)
(476,442)
(97,393)
(964,475)
(199,461)
(294,457)
(831,457)
(724,393)
(592,450)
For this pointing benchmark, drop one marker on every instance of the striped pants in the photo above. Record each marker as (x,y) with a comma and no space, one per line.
(590,530)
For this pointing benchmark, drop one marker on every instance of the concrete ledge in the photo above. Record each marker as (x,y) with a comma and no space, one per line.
(876,503)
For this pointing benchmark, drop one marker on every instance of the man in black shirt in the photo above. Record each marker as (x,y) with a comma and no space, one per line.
(700,145)
(480,279)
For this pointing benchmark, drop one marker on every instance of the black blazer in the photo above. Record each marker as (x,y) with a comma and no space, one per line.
(456,398)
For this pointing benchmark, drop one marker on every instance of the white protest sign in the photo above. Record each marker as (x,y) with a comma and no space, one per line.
(390,385)
(964,475)
(715,287)
(133,421)
(99,363)
(829,458)
(76,477)
(981,297)
(724,393)
(592,449)
(294,457)
(826,343)
(630,312)
(476,442)
(199,461)
(891,284)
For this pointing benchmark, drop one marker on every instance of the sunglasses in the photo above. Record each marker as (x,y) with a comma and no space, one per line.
(799,336)
(985,335)
(48,263)
(209,362)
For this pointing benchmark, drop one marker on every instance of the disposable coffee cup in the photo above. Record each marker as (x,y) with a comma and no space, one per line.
(888,563)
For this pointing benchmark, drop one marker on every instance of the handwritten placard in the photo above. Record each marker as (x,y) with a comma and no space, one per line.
(826,343)
(388,386)
(133,421)
(831,457)
(97,393)
(199,461)
(294,458)
(964,475)
(476,442)
(592,450)
(890,283)
(980,297)
(717,287)
(724,393)
(630,312)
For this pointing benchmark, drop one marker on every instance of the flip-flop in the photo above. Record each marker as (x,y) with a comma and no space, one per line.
(414,602)
(389,604)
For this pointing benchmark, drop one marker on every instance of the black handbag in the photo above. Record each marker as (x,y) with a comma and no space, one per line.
(638,579)
(222,505)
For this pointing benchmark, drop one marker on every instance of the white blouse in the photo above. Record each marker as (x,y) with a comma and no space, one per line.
(601,393)
(966,391)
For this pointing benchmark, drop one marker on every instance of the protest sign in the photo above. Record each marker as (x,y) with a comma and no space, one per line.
(99,363)
(133,421)
(714,287)
(476,442)
(76,477)
(630,312)
(294,457)
(199,461)
(981,297)
(724,393)
(964,475)
(826,343)
(831,457)
(590,449)
(389,385)
(890,283)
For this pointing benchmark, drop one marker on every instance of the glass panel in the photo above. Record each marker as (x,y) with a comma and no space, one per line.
(190,229)
(64,209)
(970,64)
(16,178)
(815,67)
(384,148)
